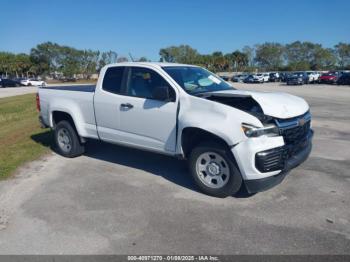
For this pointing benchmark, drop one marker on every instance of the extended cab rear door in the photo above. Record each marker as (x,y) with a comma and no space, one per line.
(107,102)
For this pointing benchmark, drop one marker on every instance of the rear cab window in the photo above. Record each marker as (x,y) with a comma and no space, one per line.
(113,79)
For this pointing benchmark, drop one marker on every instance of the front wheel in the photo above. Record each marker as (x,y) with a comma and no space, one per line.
(214,171)
(67,140)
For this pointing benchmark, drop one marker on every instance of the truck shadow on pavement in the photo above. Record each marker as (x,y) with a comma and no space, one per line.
(170,168)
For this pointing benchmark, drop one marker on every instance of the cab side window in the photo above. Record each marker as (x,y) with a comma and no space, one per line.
(142,83)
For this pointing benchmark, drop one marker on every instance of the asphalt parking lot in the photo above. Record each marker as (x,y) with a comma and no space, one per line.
(15,91)
(115,200)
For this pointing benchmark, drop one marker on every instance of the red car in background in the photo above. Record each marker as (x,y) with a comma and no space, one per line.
(329,78)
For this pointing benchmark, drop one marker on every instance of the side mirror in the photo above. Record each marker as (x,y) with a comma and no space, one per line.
(161,93)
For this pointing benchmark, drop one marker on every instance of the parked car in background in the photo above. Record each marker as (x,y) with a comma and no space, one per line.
(239,78)
(266,77)
(18,79)
(33,82)
(274,77)
(336,73)
(249,79)
(284,76)
(298,78)
(4,82)
(313,76)
(328,78)
(317,74)
(344,79)
(257,78)
(224,77)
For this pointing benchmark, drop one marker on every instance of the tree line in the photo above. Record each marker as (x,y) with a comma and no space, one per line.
(265,57)
(52,59)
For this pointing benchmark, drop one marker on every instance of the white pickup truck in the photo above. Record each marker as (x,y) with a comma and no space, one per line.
(231,138)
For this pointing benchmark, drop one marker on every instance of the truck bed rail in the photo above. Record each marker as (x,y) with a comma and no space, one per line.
(77,88)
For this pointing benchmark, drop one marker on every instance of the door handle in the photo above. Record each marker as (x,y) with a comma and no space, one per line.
(126,106)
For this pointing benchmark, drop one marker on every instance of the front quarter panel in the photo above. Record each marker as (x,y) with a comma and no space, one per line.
(219,119)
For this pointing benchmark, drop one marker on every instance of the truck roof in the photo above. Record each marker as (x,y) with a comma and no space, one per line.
(154,64)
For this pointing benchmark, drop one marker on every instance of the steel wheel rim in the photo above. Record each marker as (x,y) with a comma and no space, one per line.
(212,170)
(64,141)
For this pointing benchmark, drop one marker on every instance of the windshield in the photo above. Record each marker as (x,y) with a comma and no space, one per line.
(196,80)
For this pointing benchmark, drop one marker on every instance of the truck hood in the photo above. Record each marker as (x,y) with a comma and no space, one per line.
(279,105)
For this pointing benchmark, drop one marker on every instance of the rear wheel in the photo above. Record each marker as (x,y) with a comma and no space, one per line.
(214,171)
(67,140)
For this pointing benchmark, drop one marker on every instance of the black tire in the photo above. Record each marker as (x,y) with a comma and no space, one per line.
(76,148)
(234,182)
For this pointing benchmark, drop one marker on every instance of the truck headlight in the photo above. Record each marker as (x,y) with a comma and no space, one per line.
(253,131)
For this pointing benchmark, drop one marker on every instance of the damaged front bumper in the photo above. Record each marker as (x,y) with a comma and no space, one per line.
(263,169)
(289,161)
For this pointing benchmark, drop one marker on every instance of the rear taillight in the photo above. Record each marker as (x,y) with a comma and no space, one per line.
(38,102)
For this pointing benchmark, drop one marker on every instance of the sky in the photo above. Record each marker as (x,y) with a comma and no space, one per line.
(143,27)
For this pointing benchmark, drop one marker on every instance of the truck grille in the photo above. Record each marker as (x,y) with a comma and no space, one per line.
(295,129)
(295,132)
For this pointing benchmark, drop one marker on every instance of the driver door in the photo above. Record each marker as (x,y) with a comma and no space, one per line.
(145,121)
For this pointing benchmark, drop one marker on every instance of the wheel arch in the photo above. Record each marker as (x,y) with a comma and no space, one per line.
(58,115)
(192,136)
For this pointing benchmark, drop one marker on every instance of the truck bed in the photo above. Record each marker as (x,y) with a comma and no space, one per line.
(75,100)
